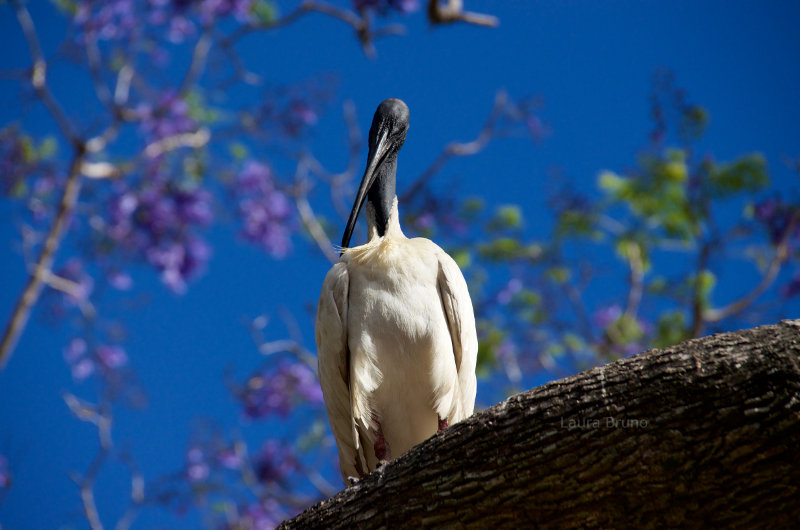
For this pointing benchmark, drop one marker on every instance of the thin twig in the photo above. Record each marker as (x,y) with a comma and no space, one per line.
(39,76)
(459,149)
(195,139)
(196,67)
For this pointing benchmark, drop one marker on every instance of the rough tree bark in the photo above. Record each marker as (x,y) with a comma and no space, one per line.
(705,433)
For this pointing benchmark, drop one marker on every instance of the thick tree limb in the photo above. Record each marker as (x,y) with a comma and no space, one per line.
(705,433)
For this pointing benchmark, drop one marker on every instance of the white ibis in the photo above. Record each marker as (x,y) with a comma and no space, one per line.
(395,330)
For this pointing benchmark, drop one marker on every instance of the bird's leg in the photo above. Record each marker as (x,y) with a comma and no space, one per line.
(443,424)
(382,450)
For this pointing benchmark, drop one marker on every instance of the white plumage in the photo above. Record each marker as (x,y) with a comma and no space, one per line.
(395,333)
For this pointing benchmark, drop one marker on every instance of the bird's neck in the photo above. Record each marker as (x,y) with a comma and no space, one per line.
(382,197)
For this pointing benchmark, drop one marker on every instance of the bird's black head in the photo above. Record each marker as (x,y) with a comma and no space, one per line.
(390,124)
(386,137)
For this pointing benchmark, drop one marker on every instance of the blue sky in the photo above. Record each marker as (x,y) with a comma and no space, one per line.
(591,63)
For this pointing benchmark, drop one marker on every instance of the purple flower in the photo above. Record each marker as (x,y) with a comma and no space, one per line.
(179,29)
(111,357)
(82,369)
(383,6)
(777,215)
(83,362)
(120,280)
(80,364)
(229,458)
(168,118)
(277,390)
(792,288)
(197,469)
(274,462)
(605,316)
(107,20)
(507,293)
(179,261)
(75,350)
(404,6)
(265,210)
(157,222)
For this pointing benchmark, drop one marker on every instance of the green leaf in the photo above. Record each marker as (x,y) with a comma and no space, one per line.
(462,257)
(694,122)
(671,329)
(746,174)
(238,150)
(471,207)
(490,341)
(612,183)
(47,148)
(574,342)
(625,330)
(264,11)
(674,168)
(509,248)
(558,275)
(506,217)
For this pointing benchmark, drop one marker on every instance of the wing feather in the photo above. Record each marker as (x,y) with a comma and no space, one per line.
(461,321)
(333,360)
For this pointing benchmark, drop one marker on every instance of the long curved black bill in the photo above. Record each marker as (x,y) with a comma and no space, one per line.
(374,160)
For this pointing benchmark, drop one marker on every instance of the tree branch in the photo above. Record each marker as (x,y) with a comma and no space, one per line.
(459,148)
(781,255)
(703,432)
(42,269)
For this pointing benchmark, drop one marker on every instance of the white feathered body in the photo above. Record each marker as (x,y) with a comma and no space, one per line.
(397,345)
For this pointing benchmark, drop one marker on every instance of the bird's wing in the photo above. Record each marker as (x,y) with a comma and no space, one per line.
(461,321)
(333,360)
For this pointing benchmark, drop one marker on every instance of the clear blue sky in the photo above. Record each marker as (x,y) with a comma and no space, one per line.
(591,62)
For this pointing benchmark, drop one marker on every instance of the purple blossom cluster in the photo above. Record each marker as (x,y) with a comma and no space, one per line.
(777,216)
(107,20)
(103,359)
(124,20)
(274,462)
(157,221)
(384,6)
(277,390)
(607,315)
(197,465)
(265,210)
(170,116)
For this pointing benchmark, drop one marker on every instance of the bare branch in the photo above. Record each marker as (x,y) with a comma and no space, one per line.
(33,288)
(100,417)
(198,64)
(454,149)
(781,255)
(39,77)
(195,139)
(453,11)
(137,494)
(307,214)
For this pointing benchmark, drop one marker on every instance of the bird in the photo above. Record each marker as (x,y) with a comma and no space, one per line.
(395,328)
